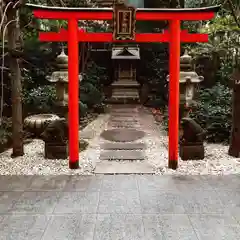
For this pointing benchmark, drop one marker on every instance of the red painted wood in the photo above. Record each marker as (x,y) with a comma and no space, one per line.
(174,16)
(73,99)
(174,75)
(147,16)
(46,14)
(62,36)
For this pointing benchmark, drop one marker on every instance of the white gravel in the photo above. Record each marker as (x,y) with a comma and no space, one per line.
(216,162)
(34,163)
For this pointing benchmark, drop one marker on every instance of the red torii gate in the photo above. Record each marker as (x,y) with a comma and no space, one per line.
(73,35)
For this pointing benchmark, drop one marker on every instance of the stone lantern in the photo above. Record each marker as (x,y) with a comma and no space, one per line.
(60,78)
(189,80)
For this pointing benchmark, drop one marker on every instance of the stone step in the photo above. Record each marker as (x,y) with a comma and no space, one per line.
(119,125)
(122,155)
(126,167)
(125,120)
(123,100)
(123,146)
(119,95)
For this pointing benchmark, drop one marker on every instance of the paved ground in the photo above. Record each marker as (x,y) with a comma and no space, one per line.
(125,207)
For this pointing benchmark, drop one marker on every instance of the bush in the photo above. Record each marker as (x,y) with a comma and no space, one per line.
(41,99)
(90,95)
(5,130)
(214,112)
(83,109)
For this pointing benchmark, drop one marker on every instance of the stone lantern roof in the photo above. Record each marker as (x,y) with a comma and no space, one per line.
(187,74)
(62,61)
(61,75)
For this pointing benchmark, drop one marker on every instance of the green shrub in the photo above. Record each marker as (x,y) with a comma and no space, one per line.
(214,112)
(90,95)
(5,130)
(83,109)
(41,98)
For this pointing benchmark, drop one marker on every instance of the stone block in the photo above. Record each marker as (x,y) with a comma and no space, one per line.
(191,152)
(55,151)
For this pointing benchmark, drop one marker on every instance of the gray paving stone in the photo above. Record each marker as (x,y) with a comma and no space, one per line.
(71,227)
(119,202)
(122,135)
(126,115)
(168,227)
(7,200)
(231,200)
(225,182)
(22,227)
(123,146)
(125,167)
(161,202)
(119,183)
(122,207)
(48,183)
(84,183)
(186,183)
(156,183)
(202,202)
(124,119)
(87,134)
(36,203)
(77,202)
(209,227)
(119,227)
(133,155)
(14,183)
(125,125)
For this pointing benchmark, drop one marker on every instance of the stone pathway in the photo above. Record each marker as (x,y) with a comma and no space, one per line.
(120,207)
(123,143)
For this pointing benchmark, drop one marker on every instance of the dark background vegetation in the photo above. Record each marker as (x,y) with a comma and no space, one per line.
(215,60)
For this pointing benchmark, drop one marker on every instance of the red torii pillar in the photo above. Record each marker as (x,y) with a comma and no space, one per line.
(74,35)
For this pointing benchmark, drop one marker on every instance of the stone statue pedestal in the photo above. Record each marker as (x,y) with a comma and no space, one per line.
(191,143)
(191,151)
(55,150)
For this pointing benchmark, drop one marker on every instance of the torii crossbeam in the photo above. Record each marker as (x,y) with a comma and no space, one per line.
(73,35)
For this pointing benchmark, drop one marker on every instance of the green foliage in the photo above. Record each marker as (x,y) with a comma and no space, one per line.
(5,130)
(214,112)
(83,109)
(90,87)
(41,98)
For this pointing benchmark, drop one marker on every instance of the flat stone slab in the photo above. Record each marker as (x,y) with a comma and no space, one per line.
(122,155)
(127,119)
(122,126)
(123,146)
(125,114)
(87,134)
(122,135)
(128,167)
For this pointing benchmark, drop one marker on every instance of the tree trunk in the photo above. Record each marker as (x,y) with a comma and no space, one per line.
(234,148)
(17,121)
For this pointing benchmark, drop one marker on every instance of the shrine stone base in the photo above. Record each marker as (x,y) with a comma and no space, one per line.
(191,152)
(56,150)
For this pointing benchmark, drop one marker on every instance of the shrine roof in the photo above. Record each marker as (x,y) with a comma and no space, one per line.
(155,10)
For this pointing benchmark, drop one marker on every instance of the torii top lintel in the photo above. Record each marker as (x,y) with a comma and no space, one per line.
(147,14)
